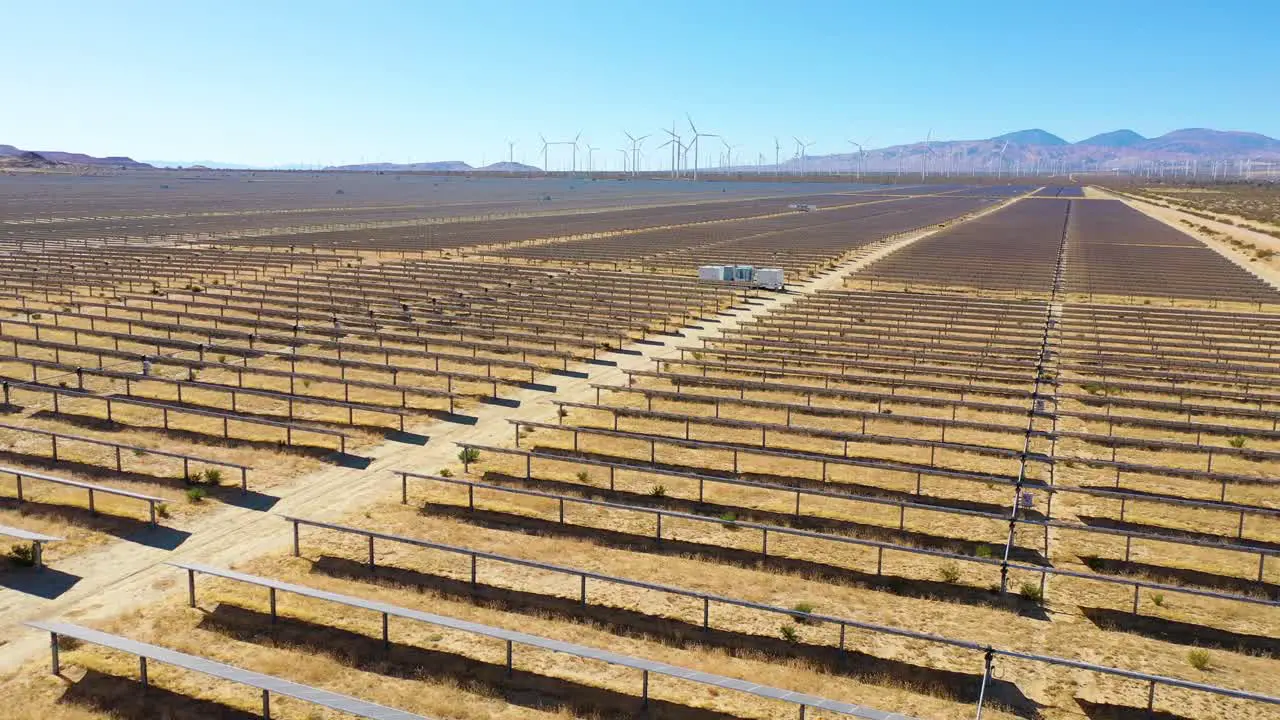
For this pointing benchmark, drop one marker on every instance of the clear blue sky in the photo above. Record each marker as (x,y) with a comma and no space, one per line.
(272,82)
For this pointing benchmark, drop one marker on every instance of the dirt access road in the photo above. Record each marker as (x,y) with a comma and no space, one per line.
(124,575)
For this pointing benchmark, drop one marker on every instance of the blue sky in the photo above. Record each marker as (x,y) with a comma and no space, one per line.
(273,82)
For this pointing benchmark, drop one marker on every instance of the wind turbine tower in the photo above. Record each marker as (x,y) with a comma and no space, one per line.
(694,143)
(635,150)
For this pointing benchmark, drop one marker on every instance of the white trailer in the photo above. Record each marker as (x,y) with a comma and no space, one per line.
(716,273)
(770,278)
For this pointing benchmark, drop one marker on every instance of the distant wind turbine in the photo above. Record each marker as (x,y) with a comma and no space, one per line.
(802,151)
(635,150)
(695,144)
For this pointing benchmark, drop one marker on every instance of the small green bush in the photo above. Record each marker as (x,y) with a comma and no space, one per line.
(949,572)
(195,478)
(1094,388)
(984,551)
(563,412)
(807,609)
(162,510)
(789,633)
(213,476)
(1031,591)
(1158,599)
(196,494)
(658,491)
(446,472)
(583,476)
(468,455)
(1199,659)
(1238,441)
(729,520)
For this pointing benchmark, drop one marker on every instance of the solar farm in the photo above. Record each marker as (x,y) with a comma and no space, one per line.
(403,446)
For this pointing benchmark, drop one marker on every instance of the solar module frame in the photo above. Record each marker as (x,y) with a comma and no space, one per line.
(268,684)
(511,637)
(1045,571)
(987,650)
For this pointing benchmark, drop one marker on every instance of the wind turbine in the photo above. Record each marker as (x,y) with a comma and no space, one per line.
(695,144)
(676,148)
(861,162)
(591,157)
(635,149)
(624,152)
(1000,159)
(728,152)
(802,149)
(777,148)
(511,151)
(928,153)
(545,144)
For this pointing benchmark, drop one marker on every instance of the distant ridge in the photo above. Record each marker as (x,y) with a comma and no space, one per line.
(69,158)
(442,166)
(1035,136)
(25,159)
(1115,138)
(1037,150)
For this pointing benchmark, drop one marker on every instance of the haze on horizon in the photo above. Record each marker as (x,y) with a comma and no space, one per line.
(267,84)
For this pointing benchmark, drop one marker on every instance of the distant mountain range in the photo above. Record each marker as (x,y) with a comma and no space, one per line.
(57,157)
(1026,151)
(1036,149)
(441,166)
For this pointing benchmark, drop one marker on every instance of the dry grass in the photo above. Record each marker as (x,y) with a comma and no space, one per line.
(1067,632)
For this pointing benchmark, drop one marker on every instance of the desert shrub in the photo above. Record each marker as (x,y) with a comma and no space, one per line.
(807,609)
(24,555)
(468,455)
(162,510)
(658,491)
(196,494)
(583,476)
(789,633)
(729,520)
(1238,441)
(195,478)
(1199,659)
(1158,599)
(446,472)
(949,572)
(1031,591)
(1094,388)
(984,551)
(213,476)
(563,412)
